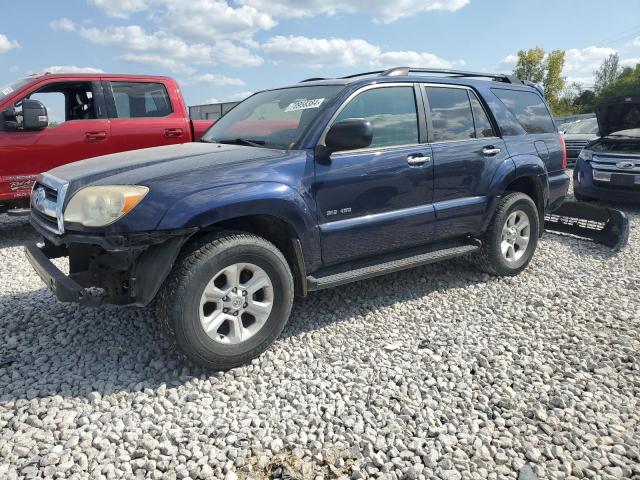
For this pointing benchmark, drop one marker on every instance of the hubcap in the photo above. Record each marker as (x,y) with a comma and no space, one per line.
(236,303)
(515,236)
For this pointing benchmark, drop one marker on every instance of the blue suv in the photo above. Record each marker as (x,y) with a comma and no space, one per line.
(302,188)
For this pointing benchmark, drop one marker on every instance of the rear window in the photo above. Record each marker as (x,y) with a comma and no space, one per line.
(528,108)
(141,100)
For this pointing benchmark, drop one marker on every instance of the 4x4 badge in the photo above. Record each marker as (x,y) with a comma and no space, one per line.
(625,165)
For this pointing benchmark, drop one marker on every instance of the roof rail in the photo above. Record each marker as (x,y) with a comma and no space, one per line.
(404,71)
(312,79)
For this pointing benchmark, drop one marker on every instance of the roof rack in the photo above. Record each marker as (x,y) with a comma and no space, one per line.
(405,71)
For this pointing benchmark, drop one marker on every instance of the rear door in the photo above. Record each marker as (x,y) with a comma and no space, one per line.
(378,198)
(78,129)
(143,116)
(466,154)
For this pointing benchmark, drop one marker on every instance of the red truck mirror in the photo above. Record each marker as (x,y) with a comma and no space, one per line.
(34,115)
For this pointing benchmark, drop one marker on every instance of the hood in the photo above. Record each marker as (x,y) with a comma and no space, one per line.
(140,167)
(618,114)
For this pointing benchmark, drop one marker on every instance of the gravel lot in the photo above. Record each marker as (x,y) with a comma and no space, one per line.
(438,372)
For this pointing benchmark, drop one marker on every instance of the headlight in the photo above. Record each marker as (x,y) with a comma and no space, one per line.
(102,205)
(586,155)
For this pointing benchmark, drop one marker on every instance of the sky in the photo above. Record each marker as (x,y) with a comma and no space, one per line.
(222,50)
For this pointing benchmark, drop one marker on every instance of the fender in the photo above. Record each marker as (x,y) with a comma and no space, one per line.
(208,207)
(513,168)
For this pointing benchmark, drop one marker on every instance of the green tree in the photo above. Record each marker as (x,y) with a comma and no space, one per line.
(553,80)
(530,65)
(628,83)
(608,72)
(534,65)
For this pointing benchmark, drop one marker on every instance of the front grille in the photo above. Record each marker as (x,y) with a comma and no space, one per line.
(47,199)
(574,147)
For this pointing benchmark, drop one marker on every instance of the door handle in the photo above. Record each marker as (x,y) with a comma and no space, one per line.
(94,136)
(418,160)
(172,132)
(490,151)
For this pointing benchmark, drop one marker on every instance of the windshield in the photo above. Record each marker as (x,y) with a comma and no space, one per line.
(584,126)
(12,87)
(274,118)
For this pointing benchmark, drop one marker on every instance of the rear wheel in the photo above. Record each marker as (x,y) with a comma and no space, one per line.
(227,299)
(512,237)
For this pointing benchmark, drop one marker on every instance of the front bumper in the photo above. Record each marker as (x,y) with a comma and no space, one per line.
(584,184)
(123,270)
(64,288)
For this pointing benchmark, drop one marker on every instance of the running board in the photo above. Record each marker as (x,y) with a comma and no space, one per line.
(369,268)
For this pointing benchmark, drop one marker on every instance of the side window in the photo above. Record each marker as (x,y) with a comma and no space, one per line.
(451,115)
(482,123)
(140,100)
(528,108)
(391,111)
(65,101)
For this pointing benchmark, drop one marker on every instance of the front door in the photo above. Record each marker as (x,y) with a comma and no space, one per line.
(78,129)
(377,199)
(466,155)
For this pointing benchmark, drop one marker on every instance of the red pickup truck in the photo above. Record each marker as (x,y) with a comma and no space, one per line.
(52,119)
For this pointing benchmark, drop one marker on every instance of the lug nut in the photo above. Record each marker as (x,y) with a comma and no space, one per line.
(235,314)
(225,299)
(225,310)
(244,293)
(235,289)
(245,305)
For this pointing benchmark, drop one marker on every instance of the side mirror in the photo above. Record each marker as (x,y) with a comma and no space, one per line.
(349,134)
(34,115)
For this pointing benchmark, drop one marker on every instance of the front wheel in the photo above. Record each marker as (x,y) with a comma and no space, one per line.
(227,299)
(512,237)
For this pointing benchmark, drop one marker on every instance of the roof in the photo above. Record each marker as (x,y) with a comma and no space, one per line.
(97,74)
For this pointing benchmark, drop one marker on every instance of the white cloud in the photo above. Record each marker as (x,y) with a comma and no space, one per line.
(71,69)
(6,44)
(382,10)
(158,60)
(216,79)
(634,43)
(585,59)
(233,54)
(509,60)
(121,8)
(212,19)
(323,52)
(238,97)
(62,25)
(630,62)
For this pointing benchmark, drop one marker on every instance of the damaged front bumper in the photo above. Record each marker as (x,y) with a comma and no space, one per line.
(604,225)
(120,270)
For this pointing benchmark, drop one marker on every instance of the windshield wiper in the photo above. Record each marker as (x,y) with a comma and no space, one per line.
(243,141)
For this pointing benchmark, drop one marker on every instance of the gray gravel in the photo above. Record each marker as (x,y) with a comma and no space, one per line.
(536,376)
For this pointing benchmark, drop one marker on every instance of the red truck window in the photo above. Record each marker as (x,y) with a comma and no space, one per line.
(141,100)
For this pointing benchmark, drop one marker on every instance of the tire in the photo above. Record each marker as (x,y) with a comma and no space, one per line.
(213,262)
(491,258)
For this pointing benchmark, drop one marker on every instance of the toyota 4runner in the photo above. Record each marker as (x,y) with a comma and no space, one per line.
(302,188)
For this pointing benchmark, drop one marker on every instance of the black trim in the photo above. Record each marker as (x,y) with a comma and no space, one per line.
(423,130)
(381,265)
(99,103)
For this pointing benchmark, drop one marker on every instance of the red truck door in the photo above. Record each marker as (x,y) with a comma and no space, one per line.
(143,115)
(78,129)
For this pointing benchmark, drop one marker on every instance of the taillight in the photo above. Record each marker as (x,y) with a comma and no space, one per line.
(564,151)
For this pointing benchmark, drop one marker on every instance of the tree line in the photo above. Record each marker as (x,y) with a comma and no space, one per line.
(610,80)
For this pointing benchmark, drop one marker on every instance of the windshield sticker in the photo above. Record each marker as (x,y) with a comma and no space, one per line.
(304,104)
(6,91)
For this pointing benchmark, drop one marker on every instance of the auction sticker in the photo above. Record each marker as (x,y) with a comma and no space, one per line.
(304,104)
